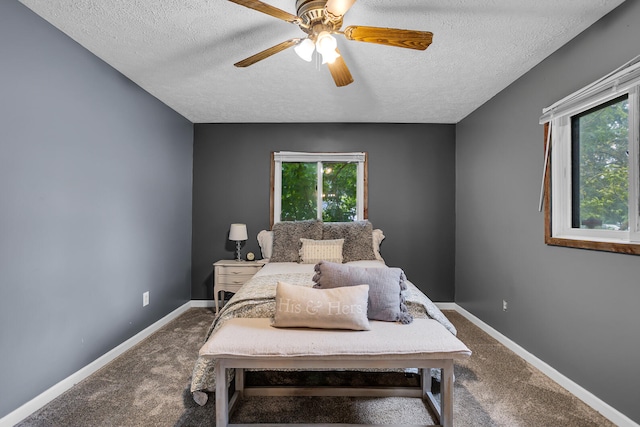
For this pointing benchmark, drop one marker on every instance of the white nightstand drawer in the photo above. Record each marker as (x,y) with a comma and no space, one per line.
(239,270)
(234,279)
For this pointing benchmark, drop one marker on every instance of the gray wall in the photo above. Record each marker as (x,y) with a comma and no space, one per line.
(95,196)
(575,309)
(411,191)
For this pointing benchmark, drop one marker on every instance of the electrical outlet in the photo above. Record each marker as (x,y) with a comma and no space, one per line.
(504,305)
(145,298)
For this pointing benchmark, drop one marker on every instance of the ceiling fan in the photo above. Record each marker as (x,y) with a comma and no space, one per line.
(322,18)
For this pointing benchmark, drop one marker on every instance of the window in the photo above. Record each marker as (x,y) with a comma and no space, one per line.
(326,186)
(600,167)
(591,185)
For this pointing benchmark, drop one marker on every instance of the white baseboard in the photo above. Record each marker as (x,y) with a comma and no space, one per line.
(48,395)
(608,411)
(202,303)
(446,305)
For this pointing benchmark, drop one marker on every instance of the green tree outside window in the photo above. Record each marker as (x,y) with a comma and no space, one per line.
(300,193)
(601,167)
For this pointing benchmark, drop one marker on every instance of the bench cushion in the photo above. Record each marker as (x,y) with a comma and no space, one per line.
(256,338)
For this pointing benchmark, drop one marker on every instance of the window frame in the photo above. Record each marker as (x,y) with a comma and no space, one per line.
(558,184)
(278,157)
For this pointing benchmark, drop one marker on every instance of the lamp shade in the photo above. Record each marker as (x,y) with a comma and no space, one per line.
(330,57)
(238,232)
(339,7)
(326,43)
(305,49)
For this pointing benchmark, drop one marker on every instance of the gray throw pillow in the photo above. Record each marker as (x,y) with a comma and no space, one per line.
(385,302)
(287,235)
(358,239)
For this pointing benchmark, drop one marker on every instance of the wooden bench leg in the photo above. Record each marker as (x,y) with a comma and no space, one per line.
(222,398)
(442,409)
(239,381)
(446,395)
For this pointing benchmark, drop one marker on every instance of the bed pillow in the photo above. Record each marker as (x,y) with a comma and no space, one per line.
(305,307)
(314,251)
(357,235)
(287,235)
(386,301)
(265,240)
(378,237)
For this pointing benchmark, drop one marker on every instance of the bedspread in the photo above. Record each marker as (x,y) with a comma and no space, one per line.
(256,299)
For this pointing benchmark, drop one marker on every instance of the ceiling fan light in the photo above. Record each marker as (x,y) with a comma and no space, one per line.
(339,7)
(305,49)
(326,43)
(330,57)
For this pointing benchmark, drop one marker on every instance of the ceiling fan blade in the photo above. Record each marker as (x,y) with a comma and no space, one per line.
(339,7)
(340,72)
(266,53)
(268,9)
(419,40)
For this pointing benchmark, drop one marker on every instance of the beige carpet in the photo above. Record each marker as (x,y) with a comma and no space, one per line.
(149,386)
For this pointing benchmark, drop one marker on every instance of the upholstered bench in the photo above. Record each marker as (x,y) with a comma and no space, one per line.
(253,343)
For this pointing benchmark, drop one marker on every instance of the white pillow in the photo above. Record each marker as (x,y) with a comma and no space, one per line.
(300,306)
(265,240)
(378,237)
(314,251)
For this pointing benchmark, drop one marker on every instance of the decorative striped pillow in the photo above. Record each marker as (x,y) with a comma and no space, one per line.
(314,251)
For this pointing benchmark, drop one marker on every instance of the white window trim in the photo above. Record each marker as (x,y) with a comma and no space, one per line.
(623,81)
(634,164)
(561,191)
(320,158)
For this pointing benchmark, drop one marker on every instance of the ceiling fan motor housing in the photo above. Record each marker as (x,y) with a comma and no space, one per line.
(314,19)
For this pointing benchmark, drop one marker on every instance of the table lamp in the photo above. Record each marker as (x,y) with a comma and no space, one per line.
(238,232)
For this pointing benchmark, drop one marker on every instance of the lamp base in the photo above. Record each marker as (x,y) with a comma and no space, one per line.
(238,258)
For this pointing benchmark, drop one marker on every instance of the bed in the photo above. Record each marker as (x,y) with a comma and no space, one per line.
(357,246)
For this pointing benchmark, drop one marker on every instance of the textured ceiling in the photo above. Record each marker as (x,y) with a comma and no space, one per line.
(183,51)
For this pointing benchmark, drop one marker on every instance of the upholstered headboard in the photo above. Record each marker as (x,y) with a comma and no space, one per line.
(283,244)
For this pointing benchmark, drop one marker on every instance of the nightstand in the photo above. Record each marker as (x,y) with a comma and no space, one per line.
(229,275)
